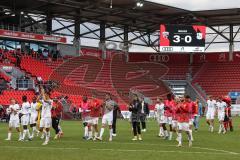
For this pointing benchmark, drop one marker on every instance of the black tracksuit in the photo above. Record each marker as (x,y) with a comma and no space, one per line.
(144,113)
(135,118)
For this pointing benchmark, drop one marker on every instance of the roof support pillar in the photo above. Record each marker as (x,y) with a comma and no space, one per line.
(102,42)
(49,23)
(231,43)
(126,43)
(77,38)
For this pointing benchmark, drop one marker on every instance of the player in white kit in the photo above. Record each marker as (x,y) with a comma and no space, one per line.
(14,121)
(107,118)
(25,111)
(221,105)
(211,110)
(34,116)
(46,120)
(159,111)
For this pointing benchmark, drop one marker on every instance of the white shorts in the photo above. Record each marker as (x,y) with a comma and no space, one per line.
(183,126)
(161,119)
(94,120)
(25,120)
(45,123)
(86,119)
(33,118)
(191,120)
(210,115)
(168,120)
(174,123)
(14,123)
(107,119)
(221,116)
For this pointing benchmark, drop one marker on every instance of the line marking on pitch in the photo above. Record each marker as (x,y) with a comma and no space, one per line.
(127,150)
(152,144)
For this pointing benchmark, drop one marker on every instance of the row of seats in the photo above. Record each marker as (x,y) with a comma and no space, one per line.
(219,79)
(16,94)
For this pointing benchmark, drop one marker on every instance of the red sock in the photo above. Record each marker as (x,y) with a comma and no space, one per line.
(225,125)
(230,123)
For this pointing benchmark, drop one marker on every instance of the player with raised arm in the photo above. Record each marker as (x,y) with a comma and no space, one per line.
(107,118)
(46,121)
(211,110)
(25,111)
(14,122)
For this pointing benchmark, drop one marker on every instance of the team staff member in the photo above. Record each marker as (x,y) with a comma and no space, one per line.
(135,109)
(56,111)
(144,113)
(116,111)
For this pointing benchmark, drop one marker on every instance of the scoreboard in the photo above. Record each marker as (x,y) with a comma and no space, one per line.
(182,38)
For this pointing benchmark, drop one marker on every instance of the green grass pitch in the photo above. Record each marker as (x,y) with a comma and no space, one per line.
(208,146)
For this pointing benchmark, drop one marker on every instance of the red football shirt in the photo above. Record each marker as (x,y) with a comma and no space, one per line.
(184,111)
(95,107)
(57,110)
(168,107)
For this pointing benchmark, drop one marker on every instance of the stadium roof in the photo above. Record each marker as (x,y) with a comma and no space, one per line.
(122,13)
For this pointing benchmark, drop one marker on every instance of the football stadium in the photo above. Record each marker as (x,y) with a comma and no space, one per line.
(119,79)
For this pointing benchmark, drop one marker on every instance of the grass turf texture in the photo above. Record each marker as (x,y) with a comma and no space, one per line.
(209,146)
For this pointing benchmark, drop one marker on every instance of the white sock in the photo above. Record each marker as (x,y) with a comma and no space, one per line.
(10,135)
(110,133)
(34,129)
(28,133)
(191,135)
(101,132)
(170,135)
(161,131)
(95,134)
(90,134)
(20,135)
(47,136)
(24,134)
(60,129)
(220,128)
(86,131)
(166,133)
(180,138)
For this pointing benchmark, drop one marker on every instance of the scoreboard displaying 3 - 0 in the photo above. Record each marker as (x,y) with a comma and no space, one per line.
(182,38)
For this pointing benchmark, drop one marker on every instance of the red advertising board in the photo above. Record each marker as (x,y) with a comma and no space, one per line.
(32,36)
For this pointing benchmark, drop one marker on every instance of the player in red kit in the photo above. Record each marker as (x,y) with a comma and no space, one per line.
(183,111)
(193,112)
(168,105)
(228,118)
(95,112)
(84,109)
